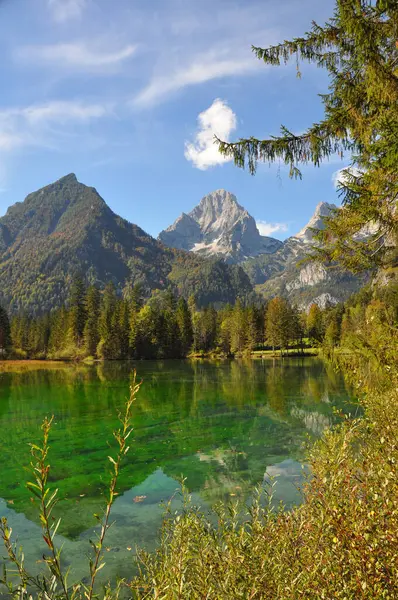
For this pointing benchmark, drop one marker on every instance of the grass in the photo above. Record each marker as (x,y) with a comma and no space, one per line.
(289,352)
(342,542)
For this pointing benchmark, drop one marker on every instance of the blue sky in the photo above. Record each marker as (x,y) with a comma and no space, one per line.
(128,93)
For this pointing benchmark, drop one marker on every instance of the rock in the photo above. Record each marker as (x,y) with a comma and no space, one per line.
(323,209)
(219,225)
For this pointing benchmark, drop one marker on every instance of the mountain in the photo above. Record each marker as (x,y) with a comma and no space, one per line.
(323,209)
(67,228)
(219,226)
(286,273)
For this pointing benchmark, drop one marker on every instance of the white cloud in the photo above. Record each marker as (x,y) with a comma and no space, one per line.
(34,125)
(63,10)
(219,119)
(201,69)
(76,55)
(270,228)
(62,111)
(340,177)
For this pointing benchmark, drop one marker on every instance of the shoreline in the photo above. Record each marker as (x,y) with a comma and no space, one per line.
(8,364)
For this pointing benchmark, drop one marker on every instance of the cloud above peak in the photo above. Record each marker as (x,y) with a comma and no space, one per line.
(220,120)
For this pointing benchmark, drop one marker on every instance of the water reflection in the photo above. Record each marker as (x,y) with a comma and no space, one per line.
(223,425)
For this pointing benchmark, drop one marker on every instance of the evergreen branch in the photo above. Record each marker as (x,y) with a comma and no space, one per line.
(314,146)
(306,48)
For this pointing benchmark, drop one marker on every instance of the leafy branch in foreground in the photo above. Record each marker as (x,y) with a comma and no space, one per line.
(358,48)
(18,581)
(121,436)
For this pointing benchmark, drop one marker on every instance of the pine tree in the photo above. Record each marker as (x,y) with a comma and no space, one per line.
(77,311)
(107,321)
(5,333)
(358,48)
(91,328)
(184,324)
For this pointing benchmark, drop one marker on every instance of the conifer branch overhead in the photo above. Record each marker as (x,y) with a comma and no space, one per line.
(358,47)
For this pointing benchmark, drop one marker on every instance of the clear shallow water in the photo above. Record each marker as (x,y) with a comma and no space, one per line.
(223,425)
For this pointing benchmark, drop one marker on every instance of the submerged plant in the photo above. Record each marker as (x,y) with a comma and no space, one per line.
(53,584)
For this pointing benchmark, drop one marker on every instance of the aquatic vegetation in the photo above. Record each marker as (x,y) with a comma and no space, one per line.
(54,583)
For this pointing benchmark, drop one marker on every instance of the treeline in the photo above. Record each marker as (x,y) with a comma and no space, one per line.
(106,326)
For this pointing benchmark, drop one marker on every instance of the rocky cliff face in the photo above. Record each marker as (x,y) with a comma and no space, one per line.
(219,225)
(322,210)
(304,282)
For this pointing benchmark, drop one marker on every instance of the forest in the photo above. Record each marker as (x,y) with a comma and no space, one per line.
(108,327)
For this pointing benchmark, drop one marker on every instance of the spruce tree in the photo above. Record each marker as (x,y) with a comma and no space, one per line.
(225,328)
(77,311)
(5,333)
(251,329)
(332,335)
(278,324)
(184,325)
(238,328)
(58,328)
(91,328)
(107,323)
(315,328)
(358,48)
(124,329)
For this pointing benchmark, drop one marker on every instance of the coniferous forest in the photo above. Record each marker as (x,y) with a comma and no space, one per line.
(104,326)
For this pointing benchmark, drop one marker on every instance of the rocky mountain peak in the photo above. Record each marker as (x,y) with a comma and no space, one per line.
(323,209)
(219,225)
(70,178)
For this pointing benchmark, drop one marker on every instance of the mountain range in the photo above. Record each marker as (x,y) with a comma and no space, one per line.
(220,226)
(214,253)
(66,228)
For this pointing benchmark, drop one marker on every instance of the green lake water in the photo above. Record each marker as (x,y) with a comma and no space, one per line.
(225,426)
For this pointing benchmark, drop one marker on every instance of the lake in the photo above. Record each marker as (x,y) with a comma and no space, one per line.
(225,426)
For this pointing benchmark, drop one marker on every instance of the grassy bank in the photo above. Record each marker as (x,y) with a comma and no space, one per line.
(342,542)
